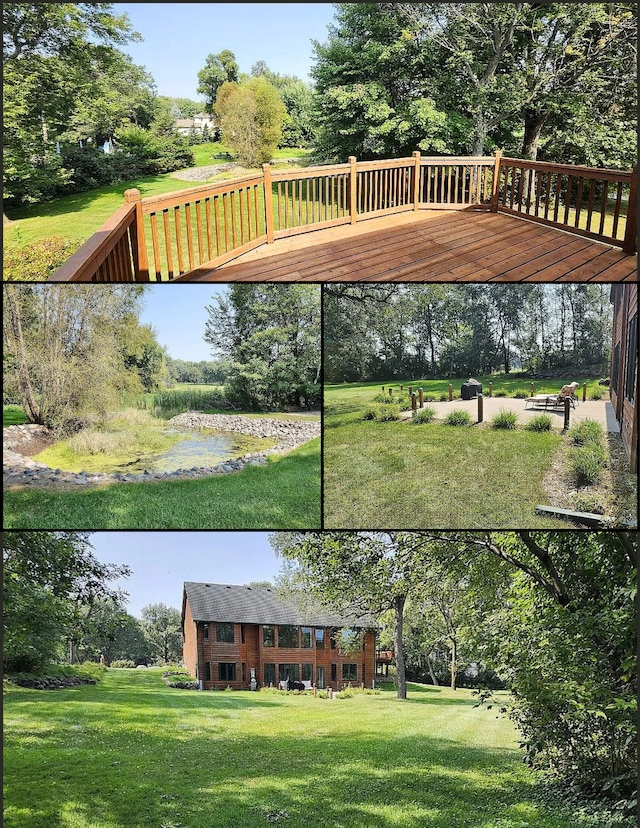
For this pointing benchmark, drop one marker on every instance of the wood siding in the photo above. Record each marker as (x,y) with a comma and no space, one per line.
(189,642)
(623,357)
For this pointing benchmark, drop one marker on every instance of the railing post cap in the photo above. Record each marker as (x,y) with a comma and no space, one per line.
(352,159)
(416,153)
(497,153)
(132,195)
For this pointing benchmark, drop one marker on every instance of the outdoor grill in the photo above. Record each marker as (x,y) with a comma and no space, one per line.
(470,389)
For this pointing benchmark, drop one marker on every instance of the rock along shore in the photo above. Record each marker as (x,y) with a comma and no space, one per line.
(20,470)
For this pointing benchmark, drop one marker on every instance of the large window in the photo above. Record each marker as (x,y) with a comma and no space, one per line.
(205,633)
(320,639)
(307,672)
(269,674)
(349,672)
(288,671)
(207,671)
(306,637)
(226,671)
(268,636)
(224,633)
(632,346)
(288,636)
(334,672)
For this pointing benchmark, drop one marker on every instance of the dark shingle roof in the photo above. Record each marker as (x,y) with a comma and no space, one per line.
(258,605)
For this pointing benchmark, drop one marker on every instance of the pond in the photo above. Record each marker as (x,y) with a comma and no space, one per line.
(182,449)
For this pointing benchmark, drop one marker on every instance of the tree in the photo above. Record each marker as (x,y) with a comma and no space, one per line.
(297,96)
(49,578)
(250,116)
(218,69)
(161,625)
(271,335)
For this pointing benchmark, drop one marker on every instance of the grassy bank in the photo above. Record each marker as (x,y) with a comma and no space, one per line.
(13,415)
(285,494)
(133,753)
(379,474)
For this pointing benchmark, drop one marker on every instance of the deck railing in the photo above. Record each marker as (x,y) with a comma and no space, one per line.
(187,233)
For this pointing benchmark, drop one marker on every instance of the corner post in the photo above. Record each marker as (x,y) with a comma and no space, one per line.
(567,413)
(268,202)
(480,408)
(353,180)
(584,392)
(495,190)
(138,243)
(631,230)
(416,180)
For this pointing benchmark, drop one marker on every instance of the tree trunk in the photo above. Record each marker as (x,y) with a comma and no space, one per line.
(454,662)
(27,396)
(398,607)
(432,675)
(533,123)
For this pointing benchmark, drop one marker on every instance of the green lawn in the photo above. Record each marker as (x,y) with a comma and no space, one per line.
(13,415)
(380,474)
(285,494)
(132,753)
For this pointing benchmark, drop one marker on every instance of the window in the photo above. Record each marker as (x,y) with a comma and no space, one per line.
(269,674)
(319,639)
(224,633)
(632,346)
(268,636)
(205,633)
(207,671)
(334,672)
(286,671)
(242,634)
(226,671)
(287,636)
(244,671)
(307,672)
(306,637)
(349,672)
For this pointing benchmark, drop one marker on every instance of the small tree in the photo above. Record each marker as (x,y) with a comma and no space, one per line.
(251,116)
(161,626)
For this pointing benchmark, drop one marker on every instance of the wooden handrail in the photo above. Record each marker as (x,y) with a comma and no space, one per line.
(193,230)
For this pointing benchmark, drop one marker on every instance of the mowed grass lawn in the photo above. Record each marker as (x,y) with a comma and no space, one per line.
(380,474)
(284,494)
(132,753)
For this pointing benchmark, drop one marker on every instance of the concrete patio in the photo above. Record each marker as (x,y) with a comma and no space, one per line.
(599,410)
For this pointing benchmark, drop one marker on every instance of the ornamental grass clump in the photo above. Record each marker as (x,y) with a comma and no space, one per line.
(586,432)
(541,422)
(389,412)
(424,415)
(457,418)
(597,394)
(505,419)
(587,463)
(500,393)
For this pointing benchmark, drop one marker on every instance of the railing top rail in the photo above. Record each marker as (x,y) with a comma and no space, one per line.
(151,203)
(571,169)
(310,172)
(82,263)
(432,160)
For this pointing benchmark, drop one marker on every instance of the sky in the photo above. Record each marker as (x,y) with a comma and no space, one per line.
(162,561)
(178,315)
(179,36)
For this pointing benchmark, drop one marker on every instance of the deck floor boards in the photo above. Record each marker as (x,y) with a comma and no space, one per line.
(431,245)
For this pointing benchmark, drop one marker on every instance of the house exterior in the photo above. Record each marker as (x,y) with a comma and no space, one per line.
(185,125)
(624,366)
(232,633)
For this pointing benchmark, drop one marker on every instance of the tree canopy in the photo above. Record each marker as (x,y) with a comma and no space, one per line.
(218,69)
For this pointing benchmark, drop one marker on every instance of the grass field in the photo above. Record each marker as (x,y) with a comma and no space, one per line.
(132,753)
(379,474)
(13,415)
(285,494)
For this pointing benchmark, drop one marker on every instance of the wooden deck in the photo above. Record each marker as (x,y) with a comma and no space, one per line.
(433,245)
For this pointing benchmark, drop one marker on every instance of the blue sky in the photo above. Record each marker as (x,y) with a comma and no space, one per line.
(179,36)
(178,315)
(161,561)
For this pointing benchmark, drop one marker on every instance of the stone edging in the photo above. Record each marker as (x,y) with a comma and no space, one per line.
(18,469)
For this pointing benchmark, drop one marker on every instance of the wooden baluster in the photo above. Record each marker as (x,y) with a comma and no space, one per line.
(247,200)
(547,196)
(176,222)
(300,198)
(216,218)
(567,200)
(227,222)
(616,214)
(234,220)
(167,243)
(529,179)
(256,211)
(268,202)
(279,204)
(592,188)
(156,247)
(138,240)
(512,193)
(631,228)
(199,232)
(556,202)
(353,193)
(187,215)
(537,175)
(326,198)
(603,207)
(520,189)
(576,222)
(207,213)
(241,190)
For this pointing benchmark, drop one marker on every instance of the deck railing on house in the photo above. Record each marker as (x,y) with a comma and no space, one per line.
(188,233)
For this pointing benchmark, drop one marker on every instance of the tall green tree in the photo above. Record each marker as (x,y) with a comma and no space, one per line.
(218,69)
(161,625)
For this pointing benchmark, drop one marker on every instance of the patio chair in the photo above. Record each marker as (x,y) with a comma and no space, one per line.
(546,401)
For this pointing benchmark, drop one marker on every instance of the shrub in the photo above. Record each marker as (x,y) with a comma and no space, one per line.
(500,393)
(371,413)
(519,395)
(184,685)
(389,412)
(444,396)
(121,663)
(457,418)
(37,260)
(322,694)
(586,463)
(386,399)
(587,431)
(155,153)
(597,394)
(505,419)
(424,415)
(429,398)
(541,422)
(589,502)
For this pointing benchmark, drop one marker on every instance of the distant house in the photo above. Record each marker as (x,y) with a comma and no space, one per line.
(624,366)
(196,124)
(232,633)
